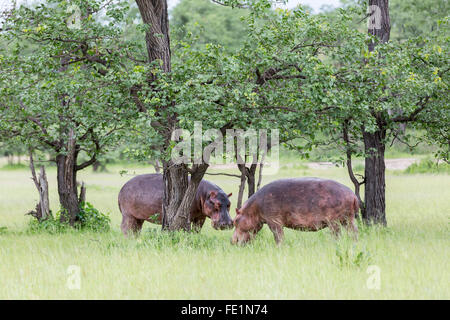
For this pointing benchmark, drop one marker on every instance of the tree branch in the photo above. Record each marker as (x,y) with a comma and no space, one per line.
(354,180)
(413,116)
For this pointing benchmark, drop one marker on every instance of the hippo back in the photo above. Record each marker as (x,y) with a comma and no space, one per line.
(141,197)
(302,196)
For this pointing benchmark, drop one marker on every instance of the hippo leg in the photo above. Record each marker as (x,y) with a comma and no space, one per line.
(197,223)
(131,224)
(277,231)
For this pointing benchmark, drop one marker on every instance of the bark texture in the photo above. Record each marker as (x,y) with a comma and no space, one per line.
(67,182)
(374,142)
(179,194)
(379,21)
(42,211)
(154,14)
(179,190)
(374,172)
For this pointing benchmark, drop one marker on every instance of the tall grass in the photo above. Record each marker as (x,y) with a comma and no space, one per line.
(412,253)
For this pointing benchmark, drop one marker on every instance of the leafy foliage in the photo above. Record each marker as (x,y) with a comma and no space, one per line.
(413,18)
(50,226)
(92,219)
(307,75)
(89,219)
(212,23)
(56,79)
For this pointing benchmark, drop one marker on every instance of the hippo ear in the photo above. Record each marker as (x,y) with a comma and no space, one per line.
(230,195)
(237,211)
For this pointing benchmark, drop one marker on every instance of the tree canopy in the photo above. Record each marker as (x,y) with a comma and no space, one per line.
(210,23)
(65,89)
(71,86)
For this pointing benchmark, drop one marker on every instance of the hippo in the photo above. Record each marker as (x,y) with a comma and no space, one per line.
(307,204)
(140,199)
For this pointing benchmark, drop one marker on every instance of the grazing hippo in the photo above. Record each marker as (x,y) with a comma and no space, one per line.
(140,199)
(307,204)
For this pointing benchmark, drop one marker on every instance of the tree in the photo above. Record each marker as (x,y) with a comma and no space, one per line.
(157,99)
(280,59)
(70,94)
(393,83)
(211,22)
(409,18)
(413,18)
(353,89)
(374,141)
(207,84)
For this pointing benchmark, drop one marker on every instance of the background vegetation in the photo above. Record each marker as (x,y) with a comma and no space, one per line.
(411,252)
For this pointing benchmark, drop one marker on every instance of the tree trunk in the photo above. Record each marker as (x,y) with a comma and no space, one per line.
(379,21)
(67,182)
(375,186)
(179,194)
(250,174)
(44,199)
(154,13)
(82,197)
(351,174)
(251,179)
(261,166)
(374,143)
(67,189)
(179,191)
(241,188)
(176,182)
(43,207)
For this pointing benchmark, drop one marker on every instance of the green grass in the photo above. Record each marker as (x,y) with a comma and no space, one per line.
(412,253)
(14,166)
(428,166)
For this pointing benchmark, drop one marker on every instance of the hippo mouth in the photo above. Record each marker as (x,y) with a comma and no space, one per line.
(222,225)
(240,238)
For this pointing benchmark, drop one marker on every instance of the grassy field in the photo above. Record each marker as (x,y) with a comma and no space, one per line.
(412,254)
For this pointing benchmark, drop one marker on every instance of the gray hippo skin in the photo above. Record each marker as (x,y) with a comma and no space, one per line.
(140,199)
(307,204)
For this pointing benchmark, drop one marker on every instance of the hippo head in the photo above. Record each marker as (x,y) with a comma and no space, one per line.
(217,207)
(246,228)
